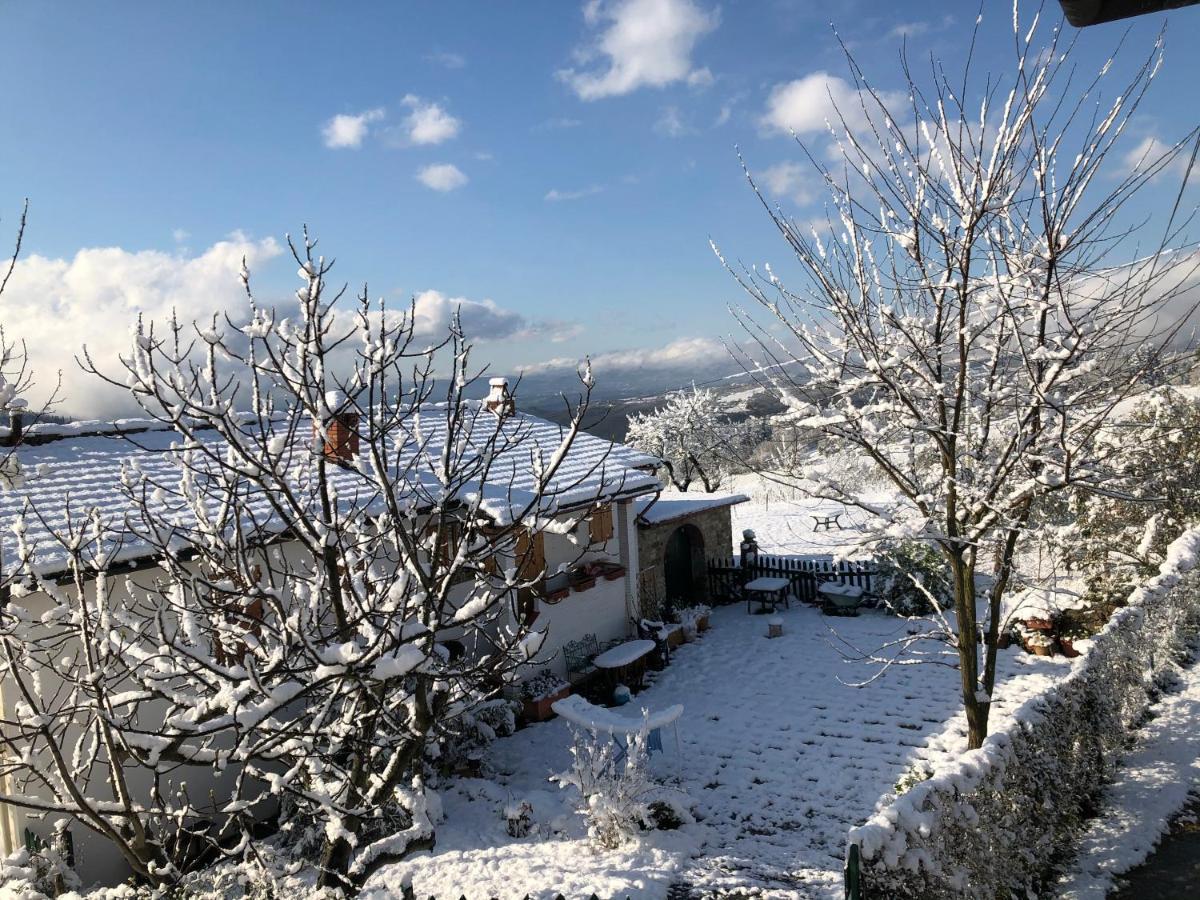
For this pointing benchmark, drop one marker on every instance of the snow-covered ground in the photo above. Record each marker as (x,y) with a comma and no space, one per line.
(778,752)
(1153,783)
(783,519)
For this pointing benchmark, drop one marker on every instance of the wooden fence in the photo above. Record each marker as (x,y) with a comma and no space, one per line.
(726,575)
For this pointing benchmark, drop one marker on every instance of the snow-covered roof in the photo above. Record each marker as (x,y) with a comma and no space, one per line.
(669,507)
(62,480)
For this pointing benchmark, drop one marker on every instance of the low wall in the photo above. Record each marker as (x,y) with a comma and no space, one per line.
(999,820)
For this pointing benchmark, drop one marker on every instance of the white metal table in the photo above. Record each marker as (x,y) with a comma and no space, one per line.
(769,591)
(625,656)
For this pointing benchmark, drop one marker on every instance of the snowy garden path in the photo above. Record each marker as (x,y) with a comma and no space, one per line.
(778,755)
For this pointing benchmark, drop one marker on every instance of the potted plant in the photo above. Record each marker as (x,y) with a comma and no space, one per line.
(1038,643)
(694,618)
(607,569)
(540,693)
(582,580)
(556,587)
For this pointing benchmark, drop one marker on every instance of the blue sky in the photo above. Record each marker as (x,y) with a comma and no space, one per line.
(580,155)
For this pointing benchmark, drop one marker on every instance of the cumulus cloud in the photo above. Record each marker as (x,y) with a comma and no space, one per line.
(442,177)
(789,180)
(807,104)
(681,352)
(58,305)
(428,122)
(642,43)
(554,195)
(433,310)
(349,131)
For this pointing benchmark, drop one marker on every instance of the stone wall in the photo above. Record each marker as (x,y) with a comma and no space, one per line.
(716,525)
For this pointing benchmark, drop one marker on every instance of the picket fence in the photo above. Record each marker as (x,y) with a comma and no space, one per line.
(726,575)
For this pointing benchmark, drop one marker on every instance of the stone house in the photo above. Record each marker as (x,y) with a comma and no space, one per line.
(677,535)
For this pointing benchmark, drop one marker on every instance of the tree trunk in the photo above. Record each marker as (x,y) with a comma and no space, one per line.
(968,651)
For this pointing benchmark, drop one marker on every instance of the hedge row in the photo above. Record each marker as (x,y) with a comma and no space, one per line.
(998,821)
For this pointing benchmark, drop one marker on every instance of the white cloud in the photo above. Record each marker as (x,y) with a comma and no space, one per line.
(787,179)
(349,131)
(724,115)
(448,60)
(557,124)
(1150,151)
(58,305)
(644,43)
(908,29)
(180,235)
(428,123)
(679,353)
(671,123)
(554,195)
(442,177)
(481,318)
(807,104)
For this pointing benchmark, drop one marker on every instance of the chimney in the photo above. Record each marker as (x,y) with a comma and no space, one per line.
(16,428)
(341,429)
(499,400)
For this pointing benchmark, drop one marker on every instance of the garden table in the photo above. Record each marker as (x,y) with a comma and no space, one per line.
(827,522)
(625,656)
(768,591)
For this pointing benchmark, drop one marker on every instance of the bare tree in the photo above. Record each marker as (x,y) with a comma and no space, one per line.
(692,437)
(965,315)
(347,552)
(16,376)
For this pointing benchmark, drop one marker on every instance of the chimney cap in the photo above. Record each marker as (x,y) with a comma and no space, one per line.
(498,381)
(335,400)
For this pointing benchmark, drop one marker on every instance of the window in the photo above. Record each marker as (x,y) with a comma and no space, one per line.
(600,522)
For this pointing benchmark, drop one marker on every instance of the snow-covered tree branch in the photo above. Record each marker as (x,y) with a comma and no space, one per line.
(346,556)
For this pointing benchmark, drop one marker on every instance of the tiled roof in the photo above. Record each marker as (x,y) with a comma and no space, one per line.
(63,480)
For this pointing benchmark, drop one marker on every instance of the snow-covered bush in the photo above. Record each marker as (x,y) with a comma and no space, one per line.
(518,818)
(614,795)
(995,821)
(1120,535)
(465,742)
(912,579)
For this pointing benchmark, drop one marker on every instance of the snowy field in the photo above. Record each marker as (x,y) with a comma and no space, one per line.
(783,520)
(777,752)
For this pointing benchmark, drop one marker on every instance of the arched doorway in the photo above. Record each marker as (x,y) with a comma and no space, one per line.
(683,567)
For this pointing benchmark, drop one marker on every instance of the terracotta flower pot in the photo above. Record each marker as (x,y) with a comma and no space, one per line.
(1039,624)
(702,622)
(585,583)
(541,709)
(674,636)
(1067,645)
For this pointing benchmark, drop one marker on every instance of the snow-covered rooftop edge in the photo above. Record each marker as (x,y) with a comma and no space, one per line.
(669,507)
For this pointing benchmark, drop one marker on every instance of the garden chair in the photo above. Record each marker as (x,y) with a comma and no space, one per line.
(578,656)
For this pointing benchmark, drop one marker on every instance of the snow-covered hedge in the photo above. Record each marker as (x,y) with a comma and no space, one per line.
(993,822)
